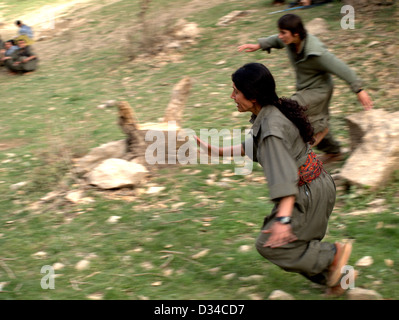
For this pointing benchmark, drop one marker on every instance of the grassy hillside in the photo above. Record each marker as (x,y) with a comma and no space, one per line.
(50,117)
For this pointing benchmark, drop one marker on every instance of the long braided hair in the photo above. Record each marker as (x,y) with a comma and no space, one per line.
(255,81)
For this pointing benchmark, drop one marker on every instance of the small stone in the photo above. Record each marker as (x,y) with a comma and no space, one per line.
(372,44)
(113,219)
(363,294)
(254,277)
(154,190)
(82,265)
(40,254)
(229,276)
(364,262)
(18,185)
(58,266)
(74,196)
(280,295)
(2,285)
(255,296)
(388,262)
(245,248)
(201,254)
(50,196)
(96,296)
(147,265)
(214,270)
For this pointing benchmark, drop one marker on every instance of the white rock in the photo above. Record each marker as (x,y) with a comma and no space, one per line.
(389,262)
(374,139)
(96,296)
(40,254)
(74,196)
(245,248)
(372,43)
(50,196)
(82,265)
(2,285)
(187,30)
(254,277)
(117,173)
(317,26)
(255,296)
(58,266)
(154,190)
(113,219)
(280,295)
(364,262)
(363,294)
(229,276)
(18,185)
(200,254)
(231,17)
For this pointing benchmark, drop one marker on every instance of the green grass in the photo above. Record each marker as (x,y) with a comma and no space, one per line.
(50,117)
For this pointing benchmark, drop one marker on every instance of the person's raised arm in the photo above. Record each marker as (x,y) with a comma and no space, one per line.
(248,47)
(330,63)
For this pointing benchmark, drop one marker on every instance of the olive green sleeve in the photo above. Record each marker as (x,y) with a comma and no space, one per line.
(268,43)
(330,63)
(279,167)
(250,148)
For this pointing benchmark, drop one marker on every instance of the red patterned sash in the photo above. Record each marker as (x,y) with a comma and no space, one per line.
(310,170)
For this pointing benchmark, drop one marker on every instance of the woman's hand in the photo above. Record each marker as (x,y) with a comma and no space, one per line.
(249,47)
(203,145)
(280,234)
(365,100)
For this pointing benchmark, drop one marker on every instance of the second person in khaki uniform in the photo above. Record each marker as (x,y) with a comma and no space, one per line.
(313,65)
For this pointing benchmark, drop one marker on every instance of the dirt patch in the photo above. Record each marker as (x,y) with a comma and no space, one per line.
(10,144)
(71,15)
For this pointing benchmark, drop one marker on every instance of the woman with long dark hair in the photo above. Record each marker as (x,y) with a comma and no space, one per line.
(313,65)
(302,191)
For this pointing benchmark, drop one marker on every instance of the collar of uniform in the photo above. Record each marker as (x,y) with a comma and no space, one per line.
(311,46)
(256,120)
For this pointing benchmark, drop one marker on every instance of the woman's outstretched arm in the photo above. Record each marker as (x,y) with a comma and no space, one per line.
(236,150)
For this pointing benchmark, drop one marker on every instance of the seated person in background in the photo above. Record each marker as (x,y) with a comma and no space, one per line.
(23,59)
(25,32)
(7,51)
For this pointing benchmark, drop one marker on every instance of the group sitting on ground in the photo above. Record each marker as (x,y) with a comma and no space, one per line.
(17,54)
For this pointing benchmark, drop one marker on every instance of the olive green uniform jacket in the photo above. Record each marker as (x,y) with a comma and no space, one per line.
(275,143)
(314,65)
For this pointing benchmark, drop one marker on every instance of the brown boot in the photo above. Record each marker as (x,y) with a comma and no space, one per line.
(340,259)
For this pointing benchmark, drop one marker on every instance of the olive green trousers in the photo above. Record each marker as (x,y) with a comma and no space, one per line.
(308,255)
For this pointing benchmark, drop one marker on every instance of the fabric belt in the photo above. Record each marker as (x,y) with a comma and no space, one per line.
(310,170)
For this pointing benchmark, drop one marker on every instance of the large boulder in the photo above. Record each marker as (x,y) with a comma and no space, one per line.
(114,149)
(317,26)
(374,138)
(117,173)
